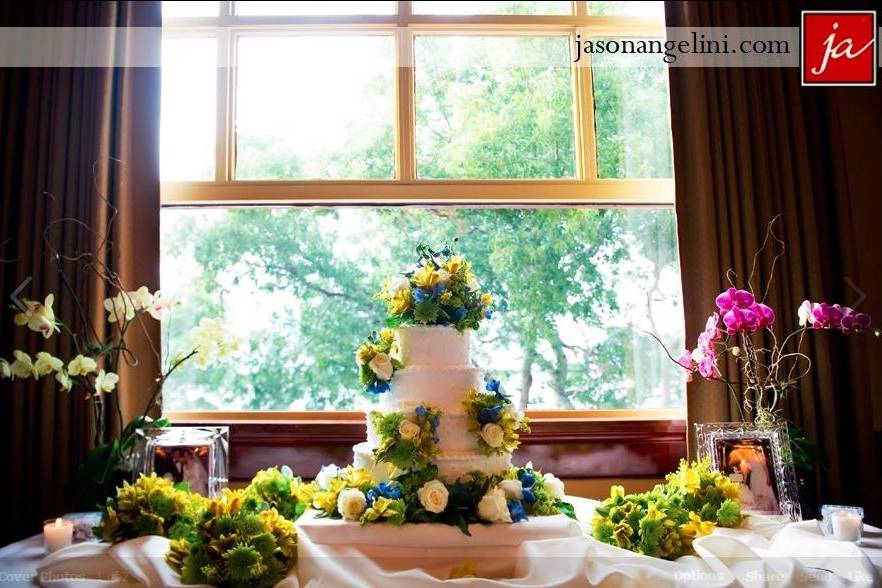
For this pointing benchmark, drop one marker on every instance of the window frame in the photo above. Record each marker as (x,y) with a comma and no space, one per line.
(662,431)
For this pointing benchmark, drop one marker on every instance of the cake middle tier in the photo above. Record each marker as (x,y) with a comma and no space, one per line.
(451,466)
(443,388)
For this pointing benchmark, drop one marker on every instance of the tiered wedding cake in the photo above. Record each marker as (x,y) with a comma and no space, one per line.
(438,372)
(440,441)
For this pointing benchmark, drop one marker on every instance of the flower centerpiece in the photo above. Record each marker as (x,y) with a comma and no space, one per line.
(494,419)
(236,543)
(743,327)
(440,290)
(376,361)
(666,520)
(407,441)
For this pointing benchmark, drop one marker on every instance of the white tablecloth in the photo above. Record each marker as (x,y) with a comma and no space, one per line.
(763,553)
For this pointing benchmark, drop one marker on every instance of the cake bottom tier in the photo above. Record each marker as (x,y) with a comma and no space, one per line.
(451,466)
(332,552)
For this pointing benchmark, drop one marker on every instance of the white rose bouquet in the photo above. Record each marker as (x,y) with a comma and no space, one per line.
(407,440)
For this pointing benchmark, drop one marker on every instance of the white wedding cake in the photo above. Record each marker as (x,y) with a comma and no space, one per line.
(437,372)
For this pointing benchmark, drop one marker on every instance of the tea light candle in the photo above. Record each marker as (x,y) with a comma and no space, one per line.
(57,534)
(847,526)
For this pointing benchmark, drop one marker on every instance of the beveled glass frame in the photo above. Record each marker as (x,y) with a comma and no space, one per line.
(712,437)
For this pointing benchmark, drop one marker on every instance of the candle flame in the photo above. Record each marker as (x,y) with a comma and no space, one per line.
(58,522)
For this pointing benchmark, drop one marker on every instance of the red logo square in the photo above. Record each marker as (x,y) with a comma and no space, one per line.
(838,48)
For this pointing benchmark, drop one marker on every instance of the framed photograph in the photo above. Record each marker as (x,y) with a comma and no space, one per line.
(758,458)
(196,456)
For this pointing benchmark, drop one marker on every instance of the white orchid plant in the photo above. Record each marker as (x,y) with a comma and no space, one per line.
(94,368)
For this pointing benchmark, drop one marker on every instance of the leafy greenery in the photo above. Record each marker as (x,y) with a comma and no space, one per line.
(569,285)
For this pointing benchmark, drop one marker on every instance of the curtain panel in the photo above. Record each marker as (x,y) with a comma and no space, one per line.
(751,144)
(79,154)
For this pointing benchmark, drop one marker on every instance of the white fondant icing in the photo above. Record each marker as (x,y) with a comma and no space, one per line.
(433,346)
(443,388)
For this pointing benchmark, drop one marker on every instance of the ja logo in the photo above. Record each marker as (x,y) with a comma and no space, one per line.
(838,48)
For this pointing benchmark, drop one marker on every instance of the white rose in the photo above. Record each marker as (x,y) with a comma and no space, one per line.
(433,496)
(351,503)
(324,477)
(381,365)
(472,284)
(492,434)
(493,507)
(513,489)
(408,430)
(399,283)
(553,485)
(443,275)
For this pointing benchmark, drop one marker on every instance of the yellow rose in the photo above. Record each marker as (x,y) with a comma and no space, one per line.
(400,303)
(426,277)
(486,298)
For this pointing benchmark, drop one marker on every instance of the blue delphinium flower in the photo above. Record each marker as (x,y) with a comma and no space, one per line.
(460,313)
(383,489)
(527,478)
(489,415)
(529,495)
(420,411)
(420,295)
(438,289)
(436,439)
(516,510)
(378,387)
(495,386)
(488,314)
(435,420)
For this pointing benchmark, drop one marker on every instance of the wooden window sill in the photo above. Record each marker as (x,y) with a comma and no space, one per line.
(575,444)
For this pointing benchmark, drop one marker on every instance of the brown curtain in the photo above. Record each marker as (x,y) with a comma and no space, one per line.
(81,144)
(750,144)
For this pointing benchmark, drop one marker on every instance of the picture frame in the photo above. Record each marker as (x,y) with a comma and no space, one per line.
(196,456)
(758,457)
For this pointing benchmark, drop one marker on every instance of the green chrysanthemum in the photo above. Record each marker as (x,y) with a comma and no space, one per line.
(243,562)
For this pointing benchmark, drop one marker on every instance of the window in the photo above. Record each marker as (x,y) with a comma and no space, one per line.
(278,117)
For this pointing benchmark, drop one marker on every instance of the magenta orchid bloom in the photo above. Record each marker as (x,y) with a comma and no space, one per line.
(734,298)
(820,315)
(686,361)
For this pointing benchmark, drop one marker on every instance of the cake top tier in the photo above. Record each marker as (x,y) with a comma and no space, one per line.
(433,346)
(439,290)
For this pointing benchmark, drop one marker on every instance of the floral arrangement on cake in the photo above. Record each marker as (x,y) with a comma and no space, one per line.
(237,542)
(407,441)
(494,419)
(420,496)
(150,506)
(441,290)
(376,361)
(664,521)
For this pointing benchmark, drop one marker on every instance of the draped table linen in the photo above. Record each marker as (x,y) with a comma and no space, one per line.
(763,552)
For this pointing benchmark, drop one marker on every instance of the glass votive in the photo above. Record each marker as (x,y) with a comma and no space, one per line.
(57,533)
(845,523)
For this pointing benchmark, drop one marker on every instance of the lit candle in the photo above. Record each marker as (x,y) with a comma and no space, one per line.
(57,534)
(847,526)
